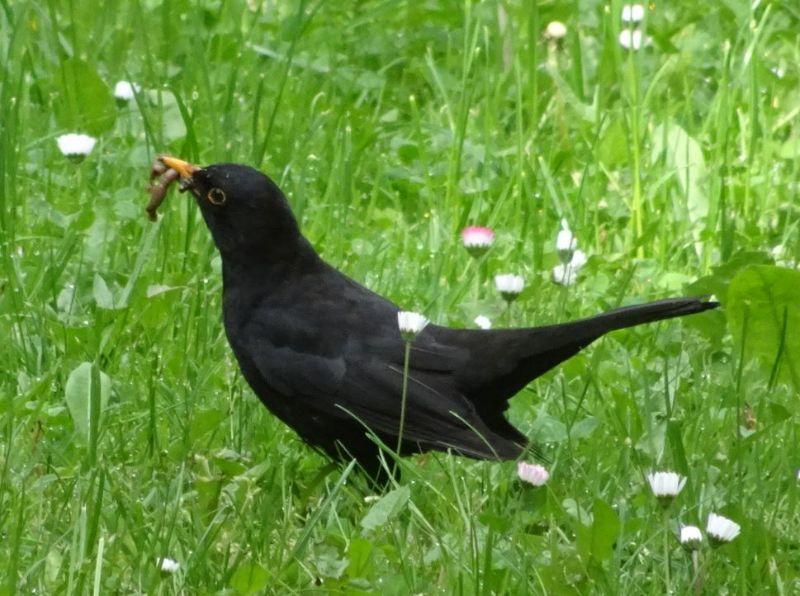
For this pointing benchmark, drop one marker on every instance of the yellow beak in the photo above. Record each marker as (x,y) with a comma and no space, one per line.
(184,168)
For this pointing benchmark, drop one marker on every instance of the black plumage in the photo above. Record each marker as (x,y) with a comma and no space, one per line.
(325,354)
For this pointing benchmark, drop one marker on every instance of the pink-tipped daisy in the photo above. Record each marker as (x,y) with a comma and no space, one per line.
(477,239)
(532,473)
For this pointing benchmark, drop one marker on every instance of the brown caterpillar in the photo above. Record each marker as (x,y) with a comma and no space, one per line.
(163,177)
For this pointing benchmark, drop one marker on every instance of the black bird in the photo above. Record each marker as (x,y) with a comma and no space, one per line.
(325,354)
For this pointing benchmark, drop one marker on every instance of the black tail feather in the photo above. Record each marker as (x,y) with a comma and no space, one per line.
(518,356)
(629,316)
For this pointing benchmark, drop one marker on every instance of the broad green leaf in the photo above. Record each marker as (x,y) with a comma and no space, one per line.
(763,310)
(328,563)
(102,293)
(587,112)
(52,566)
(790,149)
(204,421)
(83,102)
(78,392)
(386,508)
(613,148)
(675,439)
(598,538)
(605,530)
(173,126)
(584,428)
(499,523)
(547,429)
(685,157)
(721,276)
(249,578)
(359,554)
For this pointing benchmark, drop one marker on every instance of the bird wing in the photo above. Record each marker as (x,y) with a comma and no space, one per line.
(362,378)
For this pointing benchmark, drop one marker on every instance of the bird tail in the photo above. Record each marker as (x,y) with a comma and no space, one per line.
(506,360)
(630,316)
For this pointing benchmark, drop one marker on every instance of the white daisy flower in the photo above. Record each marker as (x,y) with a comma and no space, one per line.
(477,239)
(509,285)
(168,565)
(555,30)
(76,146)
(410,324)
(721,529)
(631,39)
(124,91)
(532,473)
(691,537)
(566,243)
(567,274)
(666,484)
(632,13)
(483,322)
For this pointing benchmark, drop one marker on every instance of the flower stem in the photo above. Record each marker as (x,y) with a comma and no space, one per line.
(697,579)
(478,280)
(635,145)
(406,359)
(667,561)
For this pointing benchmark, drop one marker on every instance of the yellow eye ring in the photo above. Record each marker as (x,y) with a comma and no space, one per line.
(216,196)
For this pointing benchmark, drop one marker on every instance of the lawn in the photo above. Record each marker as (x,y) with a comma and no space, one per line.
(127,434)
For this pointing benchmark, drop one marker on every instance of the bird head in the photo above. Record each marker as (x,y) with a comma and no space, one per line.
(246,212)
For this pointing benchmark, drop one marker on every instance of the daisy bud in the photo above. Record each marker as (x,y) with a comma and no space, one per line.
(566,243)
(483,322)
(410,324)
(124,91)
(75,146)
(532,473)
(555,30)
(567,274)
(631,39)
(721,529)
(477,240)
(509,285)
(632,13)
(691,537)
(666,485)
(167,565)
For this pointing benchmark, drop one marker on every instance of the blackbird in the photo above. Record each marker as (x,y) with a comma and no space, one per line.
(325,354)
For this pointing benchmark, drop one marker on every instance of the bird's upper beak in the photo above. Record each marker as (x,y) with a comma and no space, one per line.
(164,172)
(184,168)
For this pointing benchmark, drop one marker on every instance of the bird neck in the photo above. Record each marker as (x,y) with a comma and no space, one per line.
(265,266)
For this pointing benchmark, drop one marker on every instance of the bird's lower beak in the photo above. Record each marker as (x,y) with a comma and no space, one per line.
(184,168)
(164,172)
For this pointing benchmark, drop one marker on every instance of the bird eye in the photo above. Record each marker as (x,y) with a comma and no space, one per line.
(216,196)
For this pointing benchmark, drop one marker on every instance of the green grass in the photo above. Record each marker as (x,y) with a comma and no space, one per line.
(391,125)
